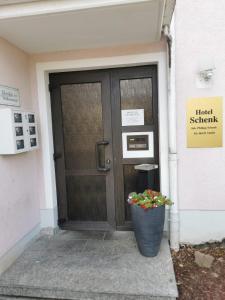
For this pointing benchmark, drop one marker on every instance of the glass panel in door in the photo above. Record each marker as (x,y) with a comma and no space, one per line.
(137,94)
(82,128)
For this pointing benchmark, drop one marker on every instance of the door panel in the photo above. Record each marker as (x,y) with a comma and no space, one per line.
(82,207)
(86,120)
(82,128)
(82,124)
(131,177)
(133,88)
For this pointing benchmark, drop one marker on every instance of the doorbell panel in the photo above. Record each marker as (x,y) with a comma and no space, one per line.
(138,144)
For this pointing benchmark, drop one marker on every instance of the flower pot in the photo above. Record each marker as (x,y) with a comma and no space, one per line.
(148,228)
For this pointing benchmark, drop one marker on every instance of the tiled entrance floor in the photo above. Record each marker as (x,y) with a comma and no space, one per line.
(90,265)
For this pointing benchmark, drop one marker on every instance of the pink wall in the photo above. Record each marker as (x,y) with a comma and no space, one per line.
(199,41)
(19,195)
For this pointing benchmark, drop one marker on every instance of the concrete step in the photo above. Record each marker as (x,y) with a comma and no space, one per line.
(86,266)
(105,298)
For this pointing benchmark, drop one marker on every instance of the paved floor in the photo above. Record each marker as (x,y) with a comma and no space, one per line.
(90,265)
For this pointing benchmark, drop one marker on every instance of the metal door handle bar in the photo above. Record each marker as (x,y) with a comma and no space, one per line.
(104,143)
(98,154)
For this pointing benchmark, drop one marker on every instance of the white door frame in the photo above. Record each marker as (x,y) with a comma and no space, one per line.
(49,212)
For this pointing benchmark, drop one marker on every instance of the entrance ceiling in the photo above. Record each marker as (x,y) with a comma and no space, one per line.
(45,26)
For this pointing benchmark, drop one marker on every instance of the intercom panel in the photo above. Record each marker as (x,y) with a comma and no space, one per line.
(138,144)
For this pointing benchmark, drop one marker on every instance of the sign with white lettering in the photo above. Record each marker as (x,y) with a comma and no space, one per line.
(205,122)
(9,96)
(132,117)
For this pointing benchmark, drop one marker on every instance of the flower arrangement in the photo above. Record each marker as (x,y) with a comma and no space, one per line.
(148,199)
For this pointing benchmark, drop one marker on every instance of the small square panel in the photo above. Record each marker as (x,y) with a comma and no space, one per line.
(17,117)
(19,144)
(32,130)
(19,130)
(138,144)
(33,142)
(31,118)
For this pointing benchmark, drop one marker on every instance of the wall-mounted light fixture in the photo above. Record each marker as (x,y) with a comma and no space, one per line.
(207,74)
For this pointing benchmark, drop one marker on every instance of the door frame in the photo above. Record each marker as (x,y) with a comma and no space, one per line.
(49,210)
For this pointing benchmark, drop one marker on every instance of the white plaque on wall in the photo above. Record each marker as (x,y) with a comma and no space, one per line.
(132,117)
(9,96)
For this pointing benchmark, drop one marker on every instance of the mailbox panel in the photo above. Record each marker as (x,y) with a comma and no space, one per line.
(18,131)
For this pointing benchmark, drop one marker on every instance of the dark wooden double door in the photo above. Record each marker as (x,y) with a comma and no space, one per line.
(93,179)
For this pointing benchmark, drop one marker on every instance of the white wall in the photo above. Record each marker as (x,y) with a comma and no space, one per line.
(200,41)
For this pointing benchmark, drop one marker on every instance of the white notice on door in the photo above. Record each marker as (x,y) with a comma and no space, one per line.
(132,117)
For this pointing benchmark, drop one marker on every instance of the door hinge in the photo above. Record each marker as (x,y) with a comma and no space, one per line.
(61,221)
(51,87)
(57,156)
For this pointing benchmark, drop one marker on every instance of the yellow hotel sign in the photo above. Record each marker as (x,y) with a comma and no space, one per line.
(205,122)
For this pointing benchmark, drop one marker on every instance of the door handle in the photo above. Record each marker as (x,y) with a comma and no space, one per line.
(104,143)
(101,168)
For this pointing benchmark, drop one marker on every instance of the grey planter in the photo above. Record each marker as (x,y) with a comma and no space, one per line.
(148,228)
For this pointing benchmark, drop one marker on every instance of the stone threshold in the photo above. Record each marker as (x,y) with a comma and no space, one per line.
(89,265)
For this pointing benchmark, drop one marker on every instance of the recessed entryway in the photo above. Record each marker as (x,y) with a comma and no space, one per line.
(93,174)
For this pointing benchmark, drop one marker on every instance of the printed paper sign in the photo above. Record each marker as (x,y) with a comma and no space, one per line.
(132,117)
(205,122)
(9,96)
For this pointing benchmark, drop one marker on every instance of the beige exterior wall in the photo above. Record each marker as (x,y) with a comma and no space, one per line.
(200,44)
(19,196)
(199,41)
(100,52)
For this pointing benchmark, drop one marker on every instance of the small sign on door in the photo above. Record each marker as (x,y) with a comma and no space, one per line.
(132,117)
